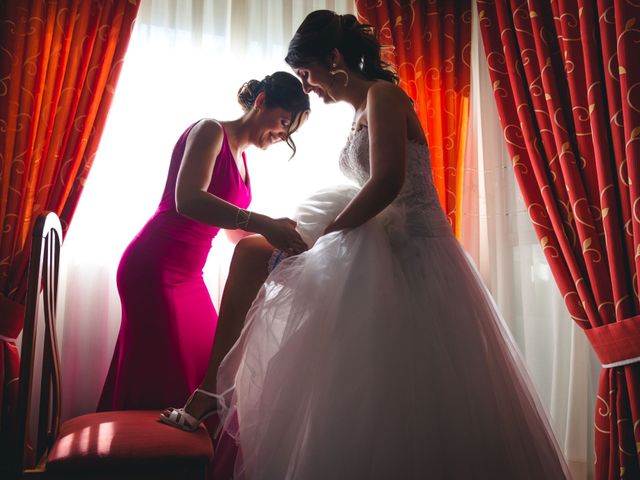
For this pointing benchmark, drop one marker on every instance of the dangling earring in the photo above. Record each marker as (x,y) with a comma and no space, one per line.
(336,71)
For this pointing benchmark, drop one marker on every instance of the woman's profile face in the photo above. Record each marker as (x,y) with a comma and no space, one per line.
(272,127)
(317,79)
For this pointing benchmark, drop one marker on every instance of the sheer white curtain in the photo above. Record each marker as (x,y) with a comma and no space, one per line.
(186,60)
(499,236)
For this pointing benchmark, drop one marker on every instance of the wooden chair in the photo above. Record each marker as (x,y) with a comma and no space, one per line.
(124,444)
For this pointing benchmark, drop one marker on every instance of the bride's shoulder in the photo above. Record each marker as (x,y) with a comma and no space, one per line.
(389,94)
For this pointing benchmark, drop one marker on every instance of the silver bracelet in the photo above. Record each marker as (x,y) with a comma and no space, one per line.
(242,218)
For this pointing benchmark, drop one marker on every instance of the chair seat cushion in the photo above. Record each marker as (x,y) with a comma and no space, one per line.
(125,439)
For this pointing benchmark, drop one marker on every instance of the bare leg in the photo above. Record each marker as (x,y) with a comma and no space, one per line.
(247,273)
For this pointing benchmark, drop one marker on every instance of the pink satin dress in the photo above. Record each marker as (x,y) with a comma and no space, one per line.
(168,318)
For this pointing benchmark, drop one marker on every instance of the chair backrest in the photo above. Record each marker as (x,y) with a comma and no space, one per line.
(39,386)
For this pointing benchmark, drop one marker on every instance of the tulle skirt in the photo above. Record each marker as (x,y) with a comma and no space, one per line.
(380,355)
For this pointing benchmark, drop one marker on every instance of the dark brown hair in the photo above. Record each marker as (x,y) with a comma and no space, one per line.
(281,89)
(323,30)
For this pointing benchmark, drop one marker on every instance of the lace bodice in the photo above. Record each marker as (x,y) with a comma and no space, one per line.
(417,205)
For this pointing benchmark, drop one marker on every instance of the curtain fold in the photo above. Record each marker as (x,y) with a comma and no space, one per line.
(429,44)
(59,65)
(568,97)
(499,236)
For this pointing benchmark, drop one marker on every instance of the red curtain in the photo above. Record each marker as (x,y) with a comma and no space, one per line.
(429,43)
(567,87)
(59,64)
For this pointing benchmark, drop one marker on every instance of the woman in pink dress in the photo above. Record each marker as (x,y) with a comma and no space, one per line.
(168,318)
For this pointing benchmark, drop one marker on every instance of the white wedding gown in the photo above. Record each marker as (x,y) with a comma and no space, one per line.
(379,354)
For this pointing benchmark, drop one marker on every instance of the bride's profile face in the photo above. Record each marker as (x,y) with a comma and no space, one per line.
(317,79)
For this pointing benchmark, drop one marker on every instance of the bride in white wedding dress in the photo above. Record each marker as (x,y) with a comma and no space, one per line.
(378,353)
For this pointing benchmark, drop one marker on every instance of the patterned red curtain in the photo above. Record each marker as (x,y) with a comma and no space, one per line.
(429,44)
(567,86)
(59,64)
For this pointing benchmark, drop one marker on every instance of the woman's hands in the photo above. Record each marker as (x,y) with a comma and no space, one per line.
(281,233)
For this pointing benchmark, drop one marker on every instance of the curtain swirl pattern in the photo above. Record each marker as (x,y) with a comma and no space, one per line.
(568,94)
(429,44)
(59,64)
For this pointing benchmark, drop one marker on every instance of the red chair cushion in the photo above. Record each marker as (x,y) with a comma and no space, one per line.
(125,438)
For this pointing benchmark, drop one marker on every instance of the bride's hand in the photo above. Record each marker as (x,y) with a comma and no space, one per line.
(282,234)
(332,227)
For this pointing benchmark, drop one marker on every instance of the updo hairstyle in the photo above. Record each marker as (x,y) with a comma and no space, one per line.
(281,89)
(323,30)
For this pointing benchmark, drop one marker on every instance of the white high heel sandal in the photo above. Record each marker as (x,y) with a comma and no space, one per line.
(178,418)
